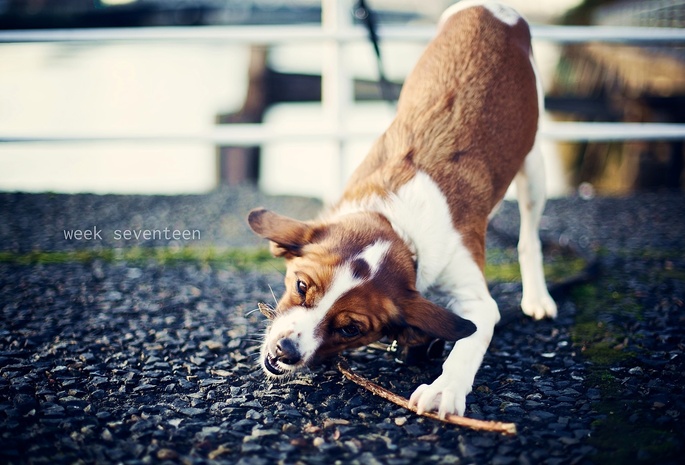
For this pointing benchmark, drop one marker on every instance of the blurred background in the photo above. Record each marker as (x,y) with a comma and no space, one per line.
(185,96)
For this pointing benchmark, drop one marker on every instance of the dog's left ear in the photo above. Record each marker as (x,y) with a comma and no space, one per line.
(287,235)
(422,319)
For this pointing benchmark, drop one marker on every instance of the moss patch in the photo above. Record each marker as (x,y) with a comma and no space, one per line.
(602,333)
(241,259)
(503,266)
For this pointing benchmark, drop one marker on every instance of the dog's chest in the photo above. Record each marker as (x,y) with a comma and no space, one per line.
(421,215)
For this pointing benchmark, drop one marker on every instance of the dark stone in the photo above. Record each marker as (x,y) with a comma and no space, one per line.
(109,362)
(24,403)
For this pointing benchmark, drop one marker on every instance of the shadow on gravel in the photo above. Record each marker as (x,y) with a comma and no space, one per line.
(145,361)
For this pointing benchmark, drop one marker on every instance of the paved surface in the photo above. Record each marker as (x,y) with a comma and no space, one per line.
(111,361)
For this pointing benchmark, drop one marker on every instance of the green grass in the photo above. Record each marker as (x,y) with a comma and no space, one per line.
(503,267)
(241,259)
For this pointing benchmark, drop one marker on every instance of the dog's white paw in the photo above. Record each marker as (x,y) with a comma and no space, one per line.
(539,305)
(444,395)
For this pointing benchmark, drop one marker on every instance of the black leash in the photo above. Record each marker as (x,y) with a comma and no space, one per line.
(363,13)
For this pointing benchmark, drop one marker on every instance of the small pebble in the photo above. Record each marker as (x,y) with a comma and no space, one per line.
(401,421)
(167,454)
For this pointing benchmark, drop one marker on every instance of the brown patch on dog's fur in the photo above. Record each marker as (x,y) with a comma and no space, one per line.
(388,305)
(460,117)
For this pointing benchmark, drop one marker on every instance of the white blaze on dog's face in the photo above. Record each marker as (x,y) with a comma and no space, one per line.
(348,283)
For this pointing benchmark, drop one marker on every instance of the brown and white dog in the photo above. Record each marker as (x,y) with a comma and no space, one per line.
(415,212)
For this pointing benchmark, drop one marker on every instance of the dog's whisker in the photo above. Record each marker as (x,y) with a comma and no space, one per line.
(278,270)
(273,295)
(257,334)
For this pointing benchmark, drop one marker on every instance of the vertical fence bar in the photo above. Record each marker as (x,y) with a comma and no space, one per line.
(336,85)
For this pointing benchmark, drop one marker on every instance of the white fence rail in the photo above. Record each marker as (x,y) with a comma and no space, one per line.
(253,134)
(279,34)
(336,30)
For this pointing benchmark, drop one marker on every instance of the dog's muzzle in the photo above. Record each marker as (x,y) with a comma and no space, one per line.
(284,358)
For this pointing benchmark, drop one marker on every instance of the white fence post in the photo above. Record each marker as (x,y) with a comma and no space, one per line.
(336,84)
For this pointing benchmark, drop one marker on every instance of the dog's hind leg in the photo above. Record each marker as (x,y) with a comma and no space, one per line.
(530,187)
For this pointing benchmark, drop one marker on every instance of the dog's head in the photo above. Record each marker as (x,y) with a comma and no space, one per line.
(348,283)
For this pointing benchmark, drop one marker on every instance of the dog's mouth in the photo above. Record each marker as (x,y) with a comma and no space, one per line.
(277,366)
(271,366)
(281,357)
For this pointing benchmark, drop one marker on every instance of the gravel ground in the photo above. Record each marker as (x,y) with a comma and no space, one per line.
(109,361)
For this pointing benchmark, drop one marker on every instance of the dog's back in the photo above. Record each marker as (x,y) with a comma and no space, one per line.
(467,114)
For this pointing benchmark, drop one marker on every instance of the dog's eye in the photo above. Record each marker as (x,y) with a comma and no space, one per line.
(349,331)
(301,288)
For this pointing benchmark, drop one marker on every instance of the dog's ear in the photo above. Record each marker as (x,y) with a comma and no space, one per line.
(287,235)
(423,320)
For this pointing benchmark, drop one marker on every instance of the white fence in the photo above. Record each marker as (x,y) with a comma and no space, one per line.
(337,95)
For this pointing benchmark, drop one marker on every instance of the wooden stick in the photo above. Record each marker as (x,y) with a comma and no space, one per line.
(507,429)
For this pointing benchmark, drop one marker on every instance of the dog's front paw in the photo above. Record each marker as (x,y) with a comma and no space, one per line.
(443,395)
(538,305)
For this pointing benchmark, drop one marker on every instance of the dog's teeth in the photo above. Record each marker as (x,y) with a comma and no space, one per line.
(271,365)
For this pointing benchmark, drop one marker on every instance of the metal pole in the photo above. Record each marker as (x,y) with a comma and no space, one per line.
(271,34)
(336,85)
(251,134)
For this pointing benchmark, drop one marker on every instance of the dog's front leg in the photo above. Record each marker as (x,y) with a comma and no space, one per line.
(447,394)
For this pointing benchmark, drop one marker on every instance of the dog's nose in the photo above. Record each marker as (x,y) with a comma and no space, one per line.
(287,352)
